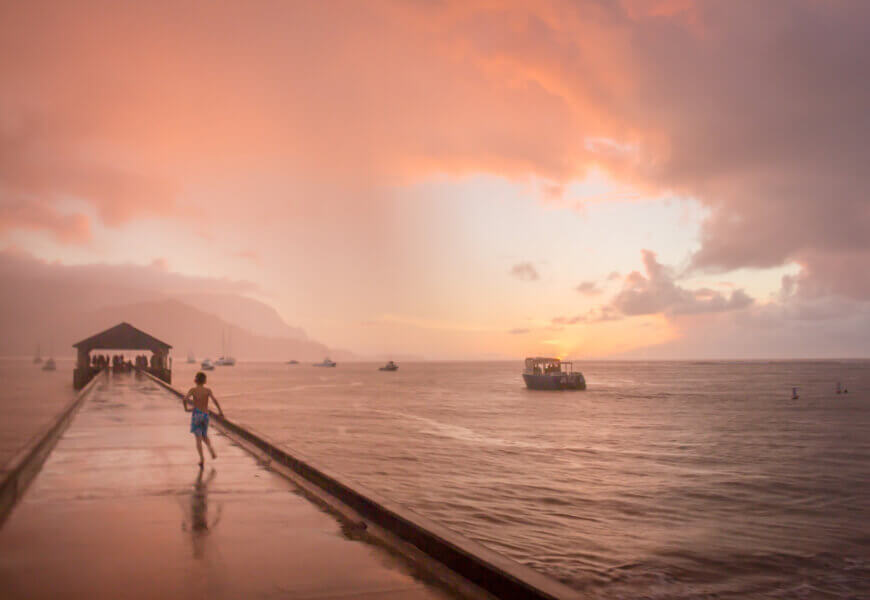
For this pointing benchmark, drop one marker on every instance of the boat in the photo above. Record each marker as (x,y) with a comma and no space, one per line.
(191,360)
(37,359)
(552,374)
(49,365)
(326,363)
(390,366)
(225,360)
(207,365)
(292,362)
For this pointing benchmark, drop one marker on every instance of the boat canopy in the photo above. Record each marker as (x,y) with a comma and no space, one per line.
(540,364)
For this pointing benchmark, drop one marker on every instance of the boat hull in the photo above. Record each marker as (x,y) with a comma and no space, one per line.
(555,381)
(388,369)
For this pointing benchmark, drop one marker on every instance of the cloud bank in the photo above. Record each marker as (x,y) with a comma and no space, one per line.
(658,292)
(758,110)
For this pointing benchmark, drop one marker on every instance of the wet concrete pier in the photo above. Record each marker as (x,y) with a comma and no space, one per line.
(121,510)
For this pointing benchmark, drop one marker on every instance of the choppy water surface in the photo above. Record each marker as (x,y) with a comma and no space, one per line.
(663,480)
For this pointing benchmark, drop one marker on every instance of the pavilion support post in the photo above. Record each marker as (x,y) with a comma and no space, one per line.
(83,372)
(161,367)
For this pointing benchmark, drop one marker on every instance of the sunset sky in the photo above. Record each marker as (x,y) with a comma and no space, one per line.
(461,179)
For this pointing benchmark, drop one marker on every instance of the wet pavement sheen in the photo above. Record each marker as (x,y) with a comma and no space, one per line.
(122,510)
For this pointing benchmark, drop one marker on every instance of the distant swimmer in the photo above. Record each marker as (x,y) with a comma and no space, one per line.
(199,396)
(794,394)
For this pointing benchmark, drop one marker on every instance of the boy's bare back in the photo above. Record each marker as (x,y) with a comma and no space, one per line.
(199,395)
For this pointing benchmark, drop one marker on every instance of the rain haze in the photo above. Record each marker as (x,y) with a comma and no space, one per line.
(457,186)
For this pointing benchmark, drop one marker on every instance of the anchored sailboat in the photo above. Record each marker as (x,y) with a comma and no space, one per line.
(225,360)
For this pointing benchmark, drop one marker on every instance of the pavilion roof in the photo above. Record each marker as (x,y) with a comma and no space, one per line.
(123,337)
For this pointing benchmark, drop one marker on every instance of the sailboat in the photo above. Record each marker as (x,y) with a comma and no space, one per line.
(38,358)
(191,359)
(225,360)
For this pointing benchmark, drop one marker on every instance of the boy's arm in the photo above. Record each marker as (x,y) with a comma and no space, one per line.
(216,403)
(184,400)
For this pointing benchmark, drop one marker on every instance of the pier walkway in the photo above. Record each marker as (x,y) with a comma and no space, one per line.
(121,510)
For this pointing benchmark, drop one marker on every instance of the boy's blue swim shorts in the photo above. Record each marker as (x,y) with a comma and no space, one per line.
(199,422)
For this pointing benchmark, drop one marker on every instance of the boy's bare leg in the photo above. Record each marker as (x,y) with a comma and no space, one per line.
(199,449)
(208,443)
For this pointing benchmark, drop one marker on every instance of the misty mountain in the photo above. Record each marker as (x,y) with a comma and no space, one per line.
(189,329)
(247,313)
(56,305)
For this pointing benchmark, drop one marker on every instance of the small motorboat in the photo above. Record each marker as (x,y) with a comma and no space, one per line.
(207,365)
(390,366)
(552,374)
(326,363)
(49,365)
(292,362)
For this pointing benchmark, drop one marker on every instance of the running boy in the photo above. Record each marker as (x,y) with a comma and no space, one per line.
(199,396)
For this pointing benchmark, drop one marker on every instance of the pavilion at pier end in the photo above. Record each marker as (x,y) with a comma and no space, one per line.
(121,337)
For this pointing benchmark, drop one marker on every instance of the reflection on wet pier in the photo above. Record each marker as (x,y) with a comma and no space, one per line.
(121,510)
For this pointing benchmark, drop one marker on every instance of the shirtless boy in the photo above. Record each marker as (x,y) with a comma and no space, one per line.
(199,396)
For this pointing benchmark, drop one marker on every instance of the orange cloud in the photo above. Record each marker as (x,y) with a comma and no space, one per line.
(143,109)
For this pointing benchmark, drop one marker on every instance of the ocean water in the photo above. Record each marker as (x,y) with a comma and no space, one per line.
(662,480)
(29,400)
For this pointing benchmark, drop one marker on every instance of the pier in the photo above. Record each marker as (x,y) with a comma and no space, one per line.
(120,509)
